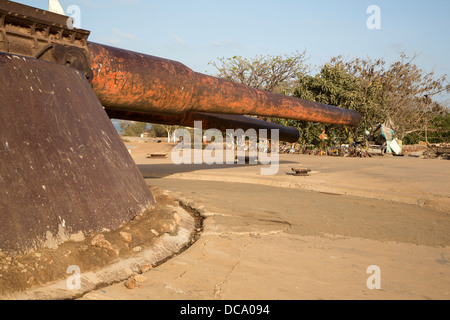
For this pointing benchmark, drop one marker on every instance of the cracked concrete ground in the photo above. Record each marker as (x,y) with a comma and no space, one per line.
(262,242)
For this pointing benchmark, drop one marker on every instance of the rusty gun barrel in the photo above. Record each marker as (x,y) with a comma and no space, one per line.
(128,81)
(134,82)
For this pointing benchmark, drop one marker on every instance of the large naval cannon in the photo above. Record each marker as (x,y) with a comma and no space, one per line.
(63,167)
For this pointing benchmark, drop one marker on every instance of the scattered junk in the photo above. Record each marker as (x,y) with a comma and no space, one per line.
(375,150)
(344,150)
(388,131)
(396,146)
(428,151)
(416,150)
(380,141)
(421,150)
(441,149)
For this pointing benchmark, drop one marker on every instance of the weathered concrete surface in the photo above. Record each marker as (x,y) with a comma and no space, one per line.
(256,246)
(264,242)
(401,179)
(63,168)
(102,258)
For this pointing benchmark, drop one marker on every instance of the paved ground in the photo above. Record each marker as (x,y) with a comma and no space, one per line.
(286,237)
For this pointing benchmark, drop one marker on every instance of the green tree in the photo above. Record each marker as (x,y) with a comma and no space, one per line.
(133,129)
(158,131)
(169,130)
(438,131)
(401,92)
(334,86)
(442,128)
(271,73)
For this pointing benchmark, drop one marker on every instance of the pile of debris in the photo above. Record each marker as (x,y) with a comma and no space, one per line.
(428,151)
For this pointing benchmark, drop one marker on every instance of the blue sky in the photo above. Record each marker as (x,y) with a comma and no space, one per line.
(196,32)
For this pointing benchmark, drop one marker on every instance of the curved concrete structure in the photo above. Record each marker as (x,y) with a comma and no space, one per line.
(63,168)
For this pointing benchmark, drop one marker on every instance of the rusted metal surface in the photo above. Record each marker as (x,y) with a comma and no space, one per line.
(63,168)
(129,81)
(221,122)
(42,35)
